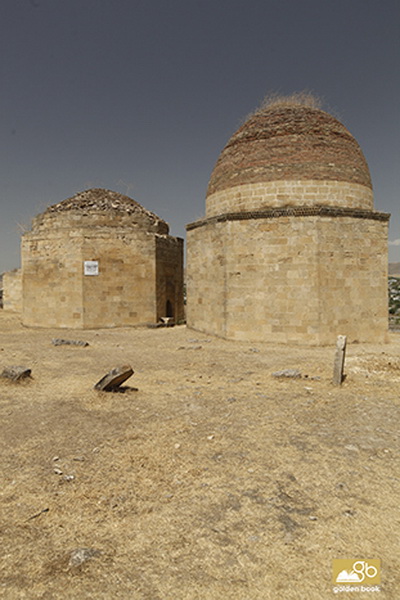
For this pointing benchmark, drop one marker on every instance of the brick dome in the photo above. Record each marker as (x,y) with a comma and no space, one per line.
(292,143)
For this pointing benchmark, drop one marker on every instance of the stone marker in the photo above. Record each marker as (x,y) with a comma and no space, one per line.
(338,364)
(16,372)
(61,342)
(114,378)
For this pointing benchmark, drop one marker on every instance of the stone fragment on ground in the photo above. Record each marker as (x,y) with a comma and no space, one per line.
(167,321)
(290,373)
(61,342)
(82,555)
(190,347)
(114,378)
(16,372)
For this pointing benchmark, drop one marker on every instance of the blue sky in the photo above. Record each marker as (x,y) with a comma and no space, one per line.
(140,96)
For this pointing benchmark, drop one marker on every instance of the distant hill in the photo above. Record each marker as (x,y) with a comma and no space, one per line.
(394,269)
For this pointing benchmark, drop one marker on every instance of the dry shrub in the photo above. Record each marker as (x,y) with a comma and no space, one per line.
(302,98)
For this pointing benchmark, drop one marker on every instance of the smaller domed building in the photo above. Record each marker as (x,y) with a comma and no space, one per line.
(99,259)
(291,249)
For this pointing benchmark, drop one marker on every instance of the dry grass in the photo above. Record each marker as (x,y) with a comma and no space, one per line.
(213,481)
(303,98)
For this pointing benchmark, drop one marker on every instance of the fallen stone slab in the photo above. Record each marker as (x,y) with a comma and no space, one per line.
(16,372)
(61,342)
(290,373)
(114,378)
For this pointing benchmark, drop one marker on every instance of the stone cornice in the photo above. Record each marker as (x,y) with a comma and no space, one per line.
(295,211)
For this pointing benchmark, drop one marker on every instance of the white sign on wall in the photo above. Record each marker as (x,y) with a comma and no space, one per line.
(91,267)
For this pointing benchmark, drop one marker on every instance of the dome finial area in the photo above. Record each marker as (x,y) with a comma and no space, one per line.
(303,98)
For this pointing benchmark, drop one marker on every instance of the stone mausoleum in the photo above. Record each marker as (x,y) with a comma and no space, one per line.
(291,249)
(99,259)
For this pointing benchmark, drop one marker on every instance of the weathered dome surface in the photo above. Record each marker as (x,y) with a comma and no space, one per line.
(92,204)
(99,199)
(290,143)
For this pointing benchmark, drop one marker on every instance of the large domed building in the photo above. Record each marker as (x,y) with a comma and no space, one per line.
(291,249)
(99,259)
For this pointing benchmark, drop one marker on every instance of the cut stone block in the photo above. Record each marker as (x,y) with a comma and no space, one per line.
(16,372)
(114,378)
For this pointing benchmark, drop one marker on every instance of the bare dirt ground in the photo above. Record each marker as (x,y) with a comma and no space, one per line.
(214,480)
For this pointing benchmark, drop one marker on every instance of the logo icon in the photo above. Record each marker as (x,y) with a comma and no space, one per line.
(350,571)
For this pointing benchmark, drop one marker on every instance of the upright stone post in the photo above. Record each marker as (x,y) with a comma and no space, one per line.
(338,365)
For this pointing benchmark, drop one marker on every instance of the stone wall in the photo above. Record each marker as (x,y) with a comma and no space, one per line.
(12,290)
(58,293)
(289,279)
(256,196)
(124,291)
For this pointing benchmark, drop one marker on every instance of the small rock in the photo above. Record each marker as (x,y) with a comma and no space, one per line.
(352,448)
(383,453)
(69,477)
(291,373)
(81,555)
(57,471)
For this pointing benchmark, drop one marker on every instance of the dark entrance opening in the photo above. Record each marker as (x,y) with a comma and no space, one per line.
(169,311)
